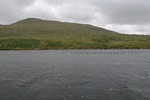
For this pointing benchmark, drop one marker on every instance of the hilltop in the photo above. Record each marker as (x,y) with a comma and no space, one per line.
(33,33)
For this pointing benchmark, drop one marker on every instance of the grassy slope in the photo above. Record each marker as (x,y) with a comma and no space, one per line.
(40,34)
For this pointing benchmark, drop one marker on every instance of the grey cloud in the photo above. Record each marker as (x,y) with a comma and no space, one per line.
(130,29)
(11,10)
(78,13)
(19,3)
(126,11)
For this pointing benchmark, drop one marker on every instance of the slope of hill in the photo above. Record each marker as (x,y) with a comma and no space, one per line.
(35,33)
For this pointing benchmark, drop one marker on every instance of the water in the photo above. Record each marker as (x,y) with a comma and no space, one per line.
(75,75)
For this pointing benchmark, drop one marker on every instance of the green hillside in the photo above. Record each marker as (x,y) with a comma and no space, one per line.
(32,33)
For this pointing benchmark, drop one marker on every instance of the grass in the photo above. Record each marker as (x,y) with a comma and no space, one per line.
(8,44)
(31,34)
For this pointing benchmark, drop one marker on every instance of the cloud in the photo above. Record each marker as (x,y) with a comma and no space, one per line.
(126,16)
(67,11)
(129,29)
(126,11)
(11,10)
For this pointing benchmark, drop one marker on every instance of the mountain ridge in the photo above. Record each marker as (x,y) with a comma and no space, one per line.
(37,20)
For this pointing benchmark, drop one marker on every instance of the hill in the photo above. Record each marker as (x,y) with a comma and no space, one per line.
(35,33)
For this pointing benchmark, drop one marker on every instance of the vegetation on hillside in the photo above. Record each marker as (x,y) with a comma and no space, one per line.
(31,34)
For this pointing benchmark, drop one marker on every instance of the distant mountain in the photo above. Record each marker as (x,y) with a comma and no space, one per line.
(45,26)
(33,33)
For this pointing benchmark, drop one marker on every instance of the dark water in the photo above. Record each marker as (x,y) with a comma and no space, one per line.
(75,75)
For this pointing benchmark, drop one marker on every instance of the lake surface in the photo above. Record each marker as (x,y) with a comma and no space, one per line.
(75,75)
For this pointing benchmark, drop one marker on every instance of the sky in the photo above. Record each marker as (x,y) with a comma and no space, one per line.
(124,16)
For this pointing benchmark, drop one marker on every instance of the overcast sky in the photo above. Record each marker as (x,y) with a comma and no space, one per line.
(125,16)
